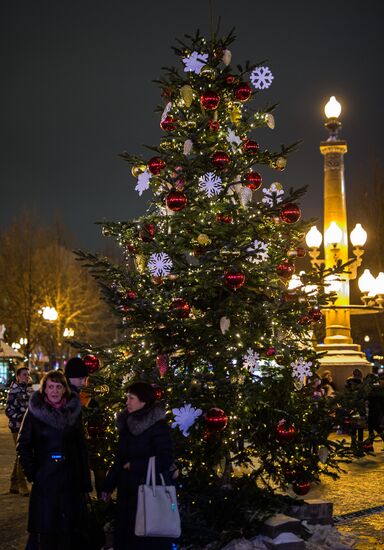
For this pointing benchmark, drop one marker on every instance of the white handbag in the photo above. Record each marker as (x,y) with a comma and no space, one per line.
(157,512)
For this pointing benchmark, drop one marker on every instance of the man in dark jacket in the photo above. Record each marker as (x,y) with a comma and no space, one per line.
(17,404)
(76,373)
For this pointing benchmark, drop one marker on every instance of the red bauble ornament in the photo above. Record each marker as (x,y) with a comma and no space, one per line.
(253,180)
(315,315)
(251,147)
(285,269)
(131,295)
(301,252)
(156,165)
(224,218)
(176,200)
(304,320)
(159,393)
(215,419)
(92,363)
(180,308)
(290,213)
(270,352)
(168,124)
(148,232)
(229,79)
(234,279)
(301,487)
(214,125)
(285,433)
(242,91)
(209,100)
(131,248)
(162,363)
(220,160)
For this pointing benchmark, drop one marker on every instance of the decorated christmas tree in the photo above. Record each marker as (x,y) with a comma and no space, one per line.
(210,310)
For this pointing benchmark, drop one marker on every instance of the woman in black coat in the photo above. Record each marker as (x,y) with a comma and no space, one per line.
(143,432)
(52,453)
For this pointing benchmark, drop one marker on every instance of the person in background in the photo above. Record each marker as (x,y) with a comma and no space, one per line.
(354,393)
(143,432)
(375,400)
(17,404)
(76,373)
(327,384)
(52,453)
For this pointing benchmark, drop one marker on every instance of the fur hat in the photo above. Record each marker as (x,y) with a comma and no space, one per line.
(76,368)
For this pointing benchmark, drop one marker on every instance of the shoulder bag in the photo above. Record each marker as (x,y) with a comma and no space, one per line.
(157,512)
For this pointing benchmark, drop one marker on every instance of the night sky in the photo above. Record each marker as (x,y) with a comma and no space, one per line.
(76,89)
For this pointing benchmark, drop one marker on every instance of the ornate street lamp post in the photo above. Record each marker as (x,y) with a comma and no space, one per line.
(342,354)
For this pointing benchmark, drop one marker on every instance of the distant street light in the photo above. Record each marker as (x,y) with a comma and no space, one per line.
(68,333)
(49,313)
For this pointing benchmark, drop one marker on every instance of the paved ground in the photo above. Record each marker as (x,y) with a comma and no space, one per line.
(360,488)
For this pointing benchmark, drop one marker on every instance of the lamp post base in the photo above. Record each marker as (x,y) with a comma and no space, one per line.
(342,360)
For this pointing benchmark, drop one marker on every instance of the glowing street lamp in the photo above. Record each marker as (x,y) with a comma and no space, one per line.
(49,313)
(342,354)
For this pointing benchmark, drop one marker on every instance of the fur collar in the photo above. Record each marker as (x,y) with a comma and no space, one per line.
(56,418)
(139,421)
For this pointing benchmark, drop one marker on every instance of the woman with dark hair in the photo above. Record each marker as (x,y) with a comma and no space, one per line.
(52,453)
(143,432)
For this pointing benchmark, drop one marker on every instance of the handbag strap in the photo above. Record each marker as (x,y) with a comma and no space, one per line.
(151,474)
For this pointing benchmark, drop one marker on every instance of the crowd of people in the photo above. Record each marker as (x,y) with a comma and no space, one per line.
(51,454)
(52,450)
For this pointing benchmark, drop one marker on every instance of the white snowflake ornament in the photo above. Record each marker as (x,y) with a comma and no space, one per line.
(259,252)
(233,139)
(301,369)
(261,78)
(251,361)
(210,184)
(194,62)
(143,182)
(159,264)
(185,417)
(275,191)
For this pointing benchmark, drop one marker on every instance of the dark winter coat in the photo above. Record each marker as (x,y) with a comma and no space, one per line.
(59,484)
(142,434)
(17,404)
(376,408)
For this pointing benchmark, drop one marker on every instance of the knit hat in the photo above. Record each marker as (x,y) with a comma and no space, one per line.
(76,368)
(143,391)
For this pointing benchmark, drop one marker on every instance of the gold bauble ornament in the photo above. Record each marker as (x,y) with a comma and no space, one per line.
(208,72)
(140,263)
(270,120)
(186,93)
(292,253)
(281,163)
(235,113)
(227,57)
(138,169)
(203,239)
